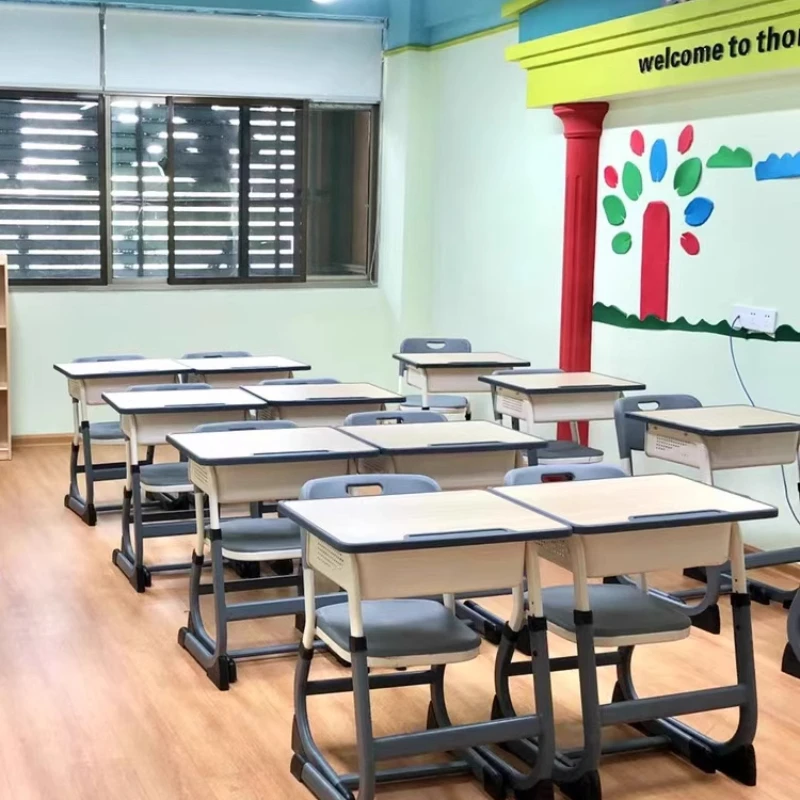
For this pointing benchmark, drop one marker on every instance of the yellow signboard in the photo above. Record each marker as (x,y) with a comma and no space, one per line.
(684,44)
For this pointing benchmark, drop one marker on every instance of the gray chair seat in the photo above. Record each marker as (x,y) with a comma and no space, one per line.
(249,535)
(174,473)
(400,628)
(436,401)
(105,431)
(617,611)
(567,451)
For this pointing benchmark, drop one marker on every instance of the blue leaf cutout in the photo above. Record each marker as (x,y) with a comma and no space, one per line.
(698,211)
(658,161)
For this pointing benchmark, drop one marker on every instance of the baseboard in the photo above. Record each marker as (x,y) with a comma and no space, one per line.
(42,440)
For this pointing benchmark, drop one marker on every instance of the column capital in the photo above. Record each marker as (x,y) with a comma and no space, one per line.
(582,120)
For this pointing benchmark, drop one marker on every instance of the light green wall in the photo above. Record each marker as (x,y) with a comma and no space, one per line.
(407,179)
(498,204)
(340,332)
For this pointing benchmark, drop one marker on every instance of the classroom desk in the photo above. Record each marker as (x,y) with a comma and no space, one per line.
(321,405)
(147,418)
(733,437)
(251,467)
(638,525)
(406,546)
(229,373)
(86,383)
(433,373)
(457,455)
(557,397)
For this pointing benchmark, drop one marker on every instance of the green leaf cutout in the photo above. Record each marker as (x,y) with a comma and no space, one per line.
(622,243)
(687,176)
(615,210)
(632,181)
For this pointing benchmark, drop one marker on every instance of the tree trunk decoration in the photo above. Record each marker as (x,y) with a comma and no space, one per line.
(656,239)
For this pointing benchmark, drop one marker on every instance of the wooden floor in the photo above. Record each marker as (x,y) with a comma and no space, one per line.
(97,700)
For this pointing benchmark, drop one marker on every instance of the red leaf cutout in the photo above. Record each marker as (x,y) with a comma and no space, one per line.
(637,143)
(686,140)
(690,244)
(612,178)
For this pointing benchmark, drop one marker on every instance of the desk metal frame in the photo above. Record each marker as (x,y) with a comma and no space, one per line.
(86,383)
(232,477)
(148,420)
(708,449)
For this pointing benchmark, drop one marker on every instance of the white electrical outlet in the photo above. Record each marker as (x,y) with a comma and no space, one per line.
(762,320)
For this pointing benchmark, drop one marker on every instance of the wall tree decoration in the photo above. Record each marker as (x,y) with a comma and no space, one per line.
(656,235)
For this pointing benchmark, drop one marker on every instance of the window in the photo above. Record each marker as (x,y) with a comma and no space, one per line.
(138,187)
(341,187)
(185,190)
(50,178)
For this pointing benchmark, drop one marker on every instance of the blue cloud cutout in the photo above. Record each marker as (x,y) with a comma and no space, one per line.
(778,167)
(698,212)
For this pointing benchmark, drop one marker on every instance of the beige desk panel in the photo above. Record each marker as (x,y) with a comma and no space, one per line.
(300,393)
(459,359)
(477,470)
(214,365)
(357,520)
(719,418)
(561,380)
(233,380)
(129,402)
(606,502)
(249,483)
(243,444)
(95,388)
(99,369)
(389,437)
(153,429)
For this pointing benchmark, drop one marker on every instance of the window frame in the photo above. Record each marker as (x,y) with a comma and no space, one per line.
(300,275)
(243,276)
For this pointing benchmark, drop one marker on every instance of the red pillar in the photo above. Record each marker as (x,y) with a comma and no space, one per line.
(583,125)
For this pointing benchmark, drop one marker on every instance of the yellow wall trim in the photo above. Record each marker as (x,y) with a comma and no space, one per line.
(611,59)
(470,37)
(514,8)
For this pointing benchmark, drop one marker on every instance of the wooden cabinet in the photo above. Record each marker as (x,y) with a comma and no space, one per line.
(5,364)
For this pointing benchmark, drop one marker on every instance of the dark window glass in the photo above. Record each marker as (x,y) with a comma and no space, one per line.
(340,185)
(50,188)
(139,187)
(205,194)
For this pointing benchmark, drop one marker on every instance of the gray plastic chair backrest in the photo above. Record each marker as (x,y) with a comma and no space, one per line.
(398,417)
(554,473)
(526,371)
(168,387)
(342,486)
(219,354)
(245,425)
(298,381)
(431,345)
(103,359)
(631,432)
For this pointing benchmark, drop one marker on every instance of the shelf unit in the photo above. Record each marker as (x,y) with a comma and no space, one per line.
(5,364)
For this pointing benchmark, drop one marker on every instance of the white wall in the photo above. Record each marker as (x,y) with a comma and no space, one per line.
(748,256)
(498,205)
(340,332)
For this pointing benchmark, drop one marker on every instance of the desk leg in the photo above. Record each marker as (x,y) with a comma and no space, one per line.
(74,500)
(129,557)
